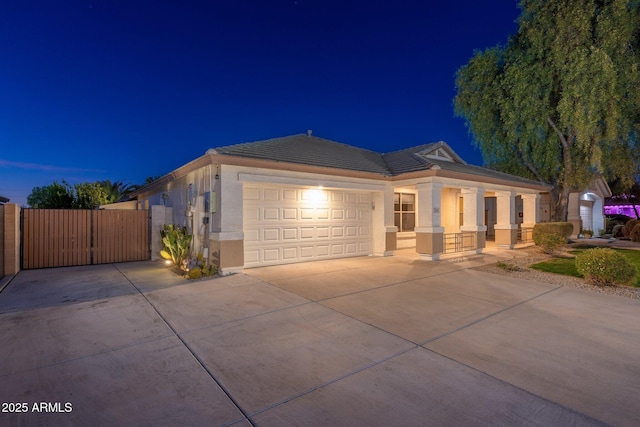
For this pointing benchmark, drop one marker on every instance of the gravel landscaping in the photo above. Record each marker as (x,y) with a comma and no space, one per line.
(518,267)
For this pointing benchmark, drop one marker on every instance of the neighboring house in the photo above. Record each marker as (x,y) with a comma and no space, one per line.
(586,208)
(3,200)
(617,205)
(303,198)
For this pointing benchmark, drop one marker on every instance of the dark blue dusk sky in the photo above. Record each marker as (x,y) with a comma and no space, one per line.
(123,90)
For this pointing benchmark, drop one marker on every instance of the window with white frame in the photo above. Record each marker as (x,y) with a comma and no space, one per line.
(404,211)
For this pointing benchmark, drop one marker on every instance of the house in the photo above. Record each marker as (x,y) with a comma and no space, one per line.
(304,198)
(586,208)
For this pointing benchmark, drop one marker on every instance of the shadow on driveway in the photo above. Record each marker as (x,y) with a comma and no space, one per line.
(360,341)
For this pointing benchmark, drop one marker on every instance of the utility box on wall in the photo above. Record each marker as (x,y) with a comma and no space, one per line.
(210,202)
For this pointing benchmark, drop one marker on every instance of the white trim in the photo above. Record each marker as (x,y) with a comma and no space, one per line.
(429,230)
(229,235)
(295,181)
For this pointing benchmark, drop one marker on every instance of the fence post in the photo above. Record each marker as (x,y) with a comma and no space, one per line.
(11,241)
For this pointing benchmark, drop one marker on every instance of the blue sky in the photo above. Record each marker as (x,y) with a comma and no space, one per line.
(123,90)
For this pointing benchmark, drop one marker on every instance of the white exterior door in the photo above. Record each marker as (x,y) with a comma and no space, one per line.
(294,224)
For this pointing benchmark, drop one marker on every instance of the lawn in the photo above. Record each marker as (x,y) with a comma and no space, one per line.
(567,266)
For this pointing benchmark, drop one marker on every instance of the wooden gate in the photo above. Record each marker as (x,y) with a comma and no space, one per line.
(67,237)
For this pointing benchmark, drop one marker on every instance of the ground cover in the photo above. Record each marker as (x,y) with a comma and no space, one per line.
(565,264)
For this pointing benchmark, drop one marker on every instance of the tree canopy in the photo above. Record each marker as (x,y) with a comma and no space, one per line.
(560,101)
(64,196)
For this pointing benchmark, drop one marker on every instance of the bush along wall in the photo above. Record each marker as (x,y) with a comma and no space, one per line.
(551,236)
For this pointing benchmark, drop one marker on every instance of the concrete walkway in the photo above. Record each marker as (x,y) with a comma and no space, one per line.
(360,341)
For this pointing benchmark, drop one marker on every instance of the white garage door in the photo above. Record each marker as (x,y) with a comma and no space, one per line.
(289,224)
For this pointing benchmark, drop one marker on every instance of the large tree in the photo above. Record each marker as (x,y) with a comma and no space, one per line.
(560,102)
(64,196)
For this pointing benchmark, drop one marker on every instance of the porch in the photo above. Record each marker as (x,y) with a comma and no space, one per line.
(436,220)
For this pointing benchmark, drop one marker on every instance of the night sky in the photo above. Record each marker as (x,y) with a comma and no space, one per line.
(123,90)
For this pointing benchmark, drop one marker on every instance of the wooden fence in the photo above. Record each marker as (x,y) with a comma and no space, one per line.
(67,237)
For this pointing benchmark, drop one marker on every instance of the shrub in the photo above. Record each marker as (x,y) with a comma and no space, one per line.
(551,236)
(563,229)
(195,273)
(628,227)
(587,233)
(550,242)
(604,266)
(617,230)
(635,233)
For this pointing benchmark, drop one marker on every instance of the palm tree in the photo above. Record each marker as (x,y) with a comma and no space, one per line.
(115,190)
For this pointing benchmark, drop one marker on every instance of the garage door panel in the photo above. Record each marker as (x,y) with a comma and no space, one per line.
(271,234)
(290,214)
(286,224)
(271,254)
(271,214)
(252,235)
(289,194)
(290,234)
(290,253)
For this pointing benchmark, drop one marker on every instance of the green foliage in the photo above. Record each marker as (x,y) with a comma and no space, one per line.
(64,196)
(635,233)
(54,196)
(176,241)
(563,229)
(198,267)
(617,230)
(89,196)
(195,273)
(549,242)
(115,190)
(604,266)
(559,103)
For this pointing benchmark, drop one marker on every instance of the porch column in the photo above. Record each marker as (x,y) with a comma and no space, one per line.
(473,216)
(429,232)
(385,231)
(573,214)
(506,227)
(530,209)
(227,237)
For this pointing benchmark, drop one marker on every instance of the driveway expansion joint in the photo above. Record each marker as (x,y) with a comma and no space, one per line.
(193,354)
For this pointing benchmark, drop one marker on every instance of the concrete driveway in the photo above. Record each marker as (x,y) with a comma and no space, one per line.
(361,341)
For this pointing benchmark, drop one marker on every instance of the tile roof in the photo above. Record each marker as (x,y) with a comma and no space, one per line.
(311,150)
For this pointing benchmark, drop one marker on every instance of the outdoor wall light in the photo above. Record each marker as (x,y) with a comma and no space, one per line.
(314,197)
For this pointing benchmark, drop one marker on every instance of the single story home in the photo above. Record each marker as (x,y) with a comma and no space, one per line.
(304,198)
(586,210)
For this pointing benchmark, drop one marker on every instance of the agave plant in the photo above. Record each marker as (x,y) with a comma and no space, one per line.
(176,241)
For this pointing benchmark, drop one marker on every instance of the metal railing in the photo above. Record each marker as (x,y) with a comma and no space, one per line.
(458,242)
(525,234)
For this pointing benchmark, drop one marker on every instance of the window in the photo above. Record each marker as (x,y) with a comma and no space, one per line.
(461,210)
(404,211)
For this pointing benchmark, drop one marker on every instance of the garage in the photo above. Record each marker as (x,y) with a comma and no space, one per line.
(284,224)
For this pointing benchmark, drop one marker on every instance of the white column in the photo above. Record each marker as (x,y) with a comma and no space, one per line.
(429,231)
(473,216)
(429,199)
(506,227)
(473,199)
(384,239)
(530,209)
